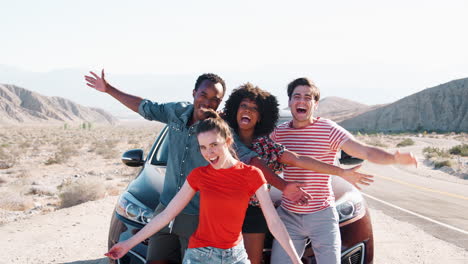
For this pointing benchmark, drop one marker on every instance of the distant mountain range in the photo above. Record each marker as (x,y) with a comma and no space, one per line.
(443,108)
(339,109)
(21,106)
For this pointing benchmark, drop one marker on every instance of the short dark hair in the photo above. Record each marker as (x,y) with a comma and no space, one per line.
(304,81)
(212,78)
(267,108)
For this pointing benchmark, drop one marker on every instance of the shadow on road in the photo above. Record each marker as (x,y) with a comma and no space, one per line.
(91,261)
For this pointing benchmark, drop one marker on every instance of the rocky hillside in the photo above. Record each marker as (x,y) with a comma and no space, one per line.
(443,108)
(21,106)
(339,109)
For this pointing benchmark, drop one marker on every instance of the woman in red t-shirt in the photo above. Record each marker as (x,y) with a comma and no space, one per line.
(225,187)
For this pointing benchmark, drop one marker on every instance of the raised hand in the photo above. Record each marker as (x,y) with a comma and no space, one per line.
(406,158)
(296,194)
(355,178)
(96,82)
(118,250)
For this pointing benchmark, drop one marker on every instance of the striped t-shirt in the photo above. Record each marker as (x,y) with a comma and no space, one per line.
(321,140)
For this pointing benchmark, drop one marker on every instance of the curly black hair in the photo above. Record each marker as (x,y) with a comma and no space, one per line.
(211,77)
(267,108)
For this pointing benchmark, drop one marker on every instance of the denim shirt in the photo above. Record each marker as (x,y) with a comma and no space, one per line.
(184,153)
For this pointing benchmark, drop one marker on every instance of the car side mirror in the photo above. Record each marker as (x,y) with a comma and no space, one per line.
(133,158)
(346,159)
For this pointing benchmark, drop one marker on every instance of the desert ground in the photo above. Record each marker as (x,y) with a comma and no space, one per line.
(45,168)
(59,184)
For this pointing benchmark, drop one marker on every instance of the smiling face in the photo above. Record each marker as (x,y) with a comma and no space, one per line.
(247,115)
(215,149)
(303,105)
(207,96)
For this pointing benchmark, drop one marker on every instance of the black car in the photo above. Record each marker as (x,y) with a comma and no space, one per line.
(136,205)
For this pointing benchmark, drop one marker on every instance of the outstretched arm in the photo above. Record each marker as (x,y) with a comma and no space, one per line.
(100,84)
(376,155)
(309,163)
(291,190)
(275,224)
(157,223)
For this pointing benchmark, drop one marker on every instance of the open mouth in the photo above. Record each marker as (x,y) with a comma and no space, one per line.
(214,160)
(203,109)
(301,110)
(245,120)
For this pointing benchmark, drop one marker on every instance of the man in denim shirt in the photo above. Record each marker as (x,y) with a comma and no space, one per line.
(168,245)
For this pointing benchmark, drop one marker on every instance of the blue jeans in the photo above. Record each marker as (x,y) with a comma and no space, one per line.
(211,255)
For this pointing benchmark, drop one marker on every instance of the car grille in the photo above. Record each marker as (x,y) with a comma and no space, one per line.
(354,255)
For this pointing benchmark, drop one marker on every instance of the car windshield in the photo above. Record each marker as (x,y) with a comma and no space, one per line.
(160,155)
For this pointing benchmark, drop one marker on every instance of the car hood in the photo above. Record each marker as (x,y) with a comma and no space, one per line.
(148,185)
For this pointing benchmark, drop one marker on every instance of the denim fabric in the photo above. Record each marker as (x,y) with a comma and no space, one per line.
(184,153)
(211,255)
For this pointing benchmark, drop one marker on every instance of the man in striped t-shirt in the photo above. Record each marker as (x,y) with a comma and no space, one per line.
(321,139)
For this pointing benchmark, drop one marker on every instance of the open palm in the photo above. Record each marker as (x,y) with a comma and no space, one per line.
(96,82)
(355,178)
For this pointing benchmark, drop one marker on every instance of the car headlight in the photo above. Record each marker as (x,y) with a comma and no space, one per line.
(350,205)
(132,209)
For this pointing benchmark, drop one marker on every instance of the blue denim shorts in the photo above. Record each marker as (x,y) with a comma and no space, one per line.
(234,255)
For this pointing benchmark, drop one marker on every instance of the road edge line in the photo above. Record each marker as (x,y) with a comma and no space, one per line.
(416,214)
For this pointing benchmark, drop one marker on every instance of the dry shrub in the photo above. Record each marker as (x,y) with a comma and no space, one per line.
(376,142)
(7,158)
(15,201)
(461,150)
(113,190)
(23,174)
(42,190)
(81,191)
(24,145)
(406,142)
(105,148)
(62,155)
(2,180)
(133,141)
(443,163)
(433,152)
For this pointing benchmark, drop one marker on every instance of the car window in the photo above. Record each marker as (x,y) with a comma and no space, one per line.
(161,151)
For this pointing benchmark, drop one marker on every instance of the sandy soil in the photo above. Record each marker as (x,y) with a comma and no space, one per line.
(79,235)
(43,169)
(42,166)
(458,172)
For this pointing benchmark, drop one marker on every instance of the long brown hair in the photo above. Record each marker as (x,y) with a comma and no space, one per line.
(213,121)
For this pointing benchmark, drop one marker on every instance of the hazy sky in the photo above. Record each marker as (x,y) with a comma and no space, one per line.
(369,51)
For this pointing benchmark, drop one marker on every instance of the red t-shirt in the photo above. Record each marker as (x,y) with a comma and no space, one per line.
(224,197)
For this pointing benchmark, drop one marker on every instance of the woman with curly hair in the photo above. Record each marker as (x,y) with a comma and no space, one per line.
(253,114)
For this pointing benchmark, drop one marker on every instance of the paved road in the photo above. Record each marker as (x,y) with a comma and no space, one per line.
(439,207)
